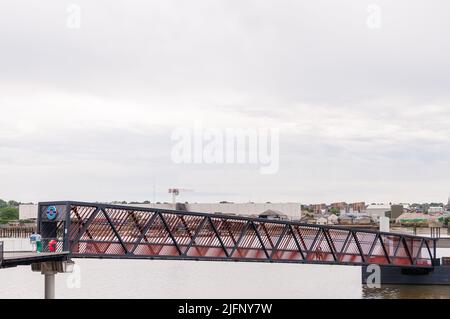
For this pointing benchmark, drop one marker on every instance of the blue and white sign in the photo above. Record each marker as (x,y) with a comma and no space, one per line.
(51,212)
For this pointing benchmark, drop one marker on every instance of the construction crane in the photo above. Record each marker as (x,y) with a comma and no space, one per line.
(175,192)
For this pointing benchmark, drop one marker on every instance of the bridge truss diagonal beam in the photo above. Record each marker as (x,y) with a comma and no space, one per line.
(117,231)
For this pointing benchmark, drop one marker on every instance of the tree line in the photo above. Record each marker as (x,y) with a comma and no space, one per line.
(9,211)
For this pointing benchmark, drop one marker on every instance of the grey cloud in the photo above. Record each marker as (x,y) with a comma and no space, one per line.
(355,106)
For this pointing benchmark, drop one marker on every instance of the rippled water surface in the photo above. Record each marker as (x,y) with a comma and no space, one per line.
(407,292)
(103,278)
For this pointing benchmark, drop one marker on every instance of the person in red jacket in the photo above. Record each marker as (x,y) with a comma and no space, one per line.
(52,245)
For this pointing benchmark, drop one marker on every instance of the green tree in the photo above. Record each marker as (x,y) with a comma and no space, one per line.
(9,213)
(446,221)
(335,211)
(13,203)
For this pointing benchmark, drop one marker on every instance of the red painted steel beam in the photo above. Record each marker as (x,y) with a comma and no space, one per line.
(133,232)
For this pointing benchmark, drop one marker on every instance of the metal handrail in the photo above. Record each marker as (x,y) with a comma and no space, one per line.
(102,206)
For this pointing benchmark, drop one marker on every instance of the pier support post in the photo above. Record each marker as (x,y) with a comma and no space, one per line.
(49,284)
(384,224)
(49,269)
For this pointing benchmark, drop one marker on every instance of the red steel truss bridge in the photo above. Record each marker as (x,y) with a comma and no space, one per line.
(94,230)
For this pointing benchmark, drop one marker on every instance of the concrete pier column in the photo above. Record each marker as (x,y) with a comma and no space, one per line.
(384,224)
(49,269)
(49,284)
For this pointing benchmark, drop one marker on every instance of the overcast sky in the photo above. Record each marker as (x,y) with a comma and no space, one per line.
(88,103)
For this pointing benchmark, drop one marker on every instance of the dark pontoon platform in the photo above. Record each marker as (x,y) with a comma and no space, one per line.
(14,259)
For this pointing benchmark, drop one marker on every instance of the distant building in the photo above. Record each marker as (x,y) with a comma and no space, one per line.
(341,206)
(28,211)
(304,213)
(406,206)
(332,219)
(346,220)
(396,211)
(435,209)
(358,207)
(307,219)
(377,209)
(318,208)
(413,218)
(322,220)
(272,214)
(291,210)
(362,220)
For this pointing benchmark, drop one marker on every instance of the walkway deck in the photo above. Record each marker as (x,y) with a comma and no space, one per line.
(14,259)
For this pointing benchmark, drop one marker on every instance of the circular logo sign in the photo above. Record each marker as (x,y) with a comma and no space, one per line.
(51,212)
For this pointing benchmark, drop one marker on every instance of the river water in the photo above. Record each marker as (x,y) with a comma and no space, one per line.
(410,291)
(407,292)
(105,278)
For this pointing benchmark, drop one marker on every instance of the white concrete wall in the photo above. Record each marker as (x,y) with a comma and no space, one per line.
(292,210)
(376,211)
(16,244)
(384,224)
(28,211)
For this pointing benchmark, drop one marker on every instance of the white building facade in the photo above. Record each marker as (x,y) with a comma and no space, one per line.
(291,210)
(377,210)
